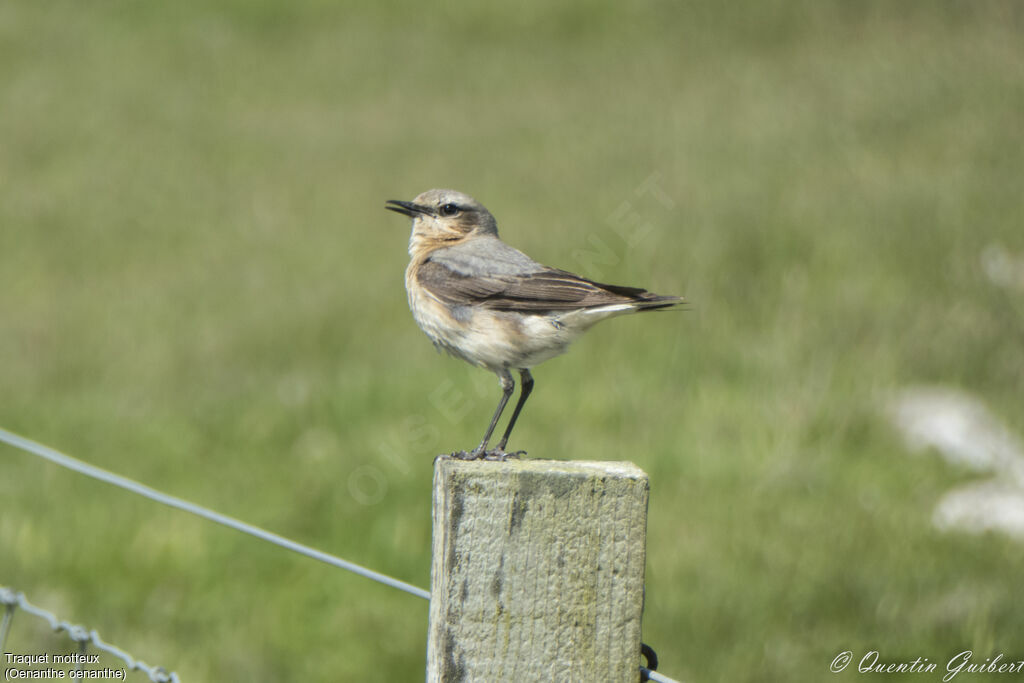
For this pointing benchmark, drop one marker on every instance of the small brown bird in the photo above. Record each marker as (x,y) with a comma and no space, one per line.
(493,306)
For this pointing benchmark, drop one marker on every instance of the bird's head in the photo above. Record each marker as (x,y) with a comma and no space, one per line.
(441,217)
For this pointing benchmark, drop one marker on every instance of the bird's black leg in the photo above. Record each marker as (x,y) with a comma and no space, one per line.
(526,386)
(508,385)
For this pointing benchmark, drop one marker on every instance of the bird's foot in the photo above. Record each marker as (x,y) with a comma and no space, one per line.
(467,455)
(502,455)
(495,454)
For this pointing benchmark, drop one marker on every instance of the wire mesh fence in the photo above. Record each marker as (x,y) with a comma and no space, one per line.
(47,665)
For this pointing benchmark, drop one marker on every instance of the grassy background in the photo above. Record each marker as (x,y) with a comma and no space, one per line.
(199,288)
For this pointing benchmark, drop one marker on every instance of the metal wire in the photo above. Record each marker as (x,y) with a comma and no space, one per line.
(655,676)
(174,502)
(78,634)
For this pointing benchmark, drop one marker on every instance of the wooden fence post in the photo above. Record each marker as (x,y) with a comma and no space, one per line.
(538,571)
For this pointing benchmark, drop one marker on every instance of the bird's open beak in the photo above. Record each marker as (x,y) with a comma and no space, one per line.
(408,208)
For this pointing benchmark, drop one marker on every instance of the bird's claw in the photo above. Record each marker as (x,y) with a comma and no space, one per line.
(502,455)
(494,455)
(465,455)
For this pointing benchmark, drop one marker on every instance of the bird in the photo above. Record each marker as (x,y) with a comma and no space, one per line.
(483,301)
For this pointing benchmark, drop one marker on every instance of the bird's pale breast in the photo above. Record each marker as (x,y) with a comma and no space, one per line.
(488,338)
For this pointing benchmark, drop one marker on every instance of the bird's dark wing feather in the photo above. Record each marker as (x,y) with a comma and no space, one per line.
(544,290)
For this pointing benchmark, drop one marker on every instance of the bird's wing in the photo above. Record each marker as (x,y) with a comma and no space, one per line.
(538,290)
(485,255)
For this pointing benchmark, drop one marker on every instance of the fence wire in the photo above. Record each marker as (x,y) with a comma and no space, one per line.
(88,470)
(655,676)
(12,600)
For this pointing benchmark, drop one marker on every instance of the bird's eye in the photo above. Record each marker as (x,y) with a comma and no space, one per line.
(449,210)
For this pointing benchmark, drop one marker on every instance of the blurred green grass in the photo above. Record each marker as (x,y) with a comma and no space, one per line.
(200,289)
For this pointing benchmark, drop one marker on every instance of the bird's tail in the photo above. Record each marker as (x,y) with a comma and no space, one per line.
(642,300)
(658,302)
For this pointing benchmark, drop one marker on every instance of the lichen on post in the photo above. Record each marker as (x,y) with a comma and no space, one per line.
(538,571)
